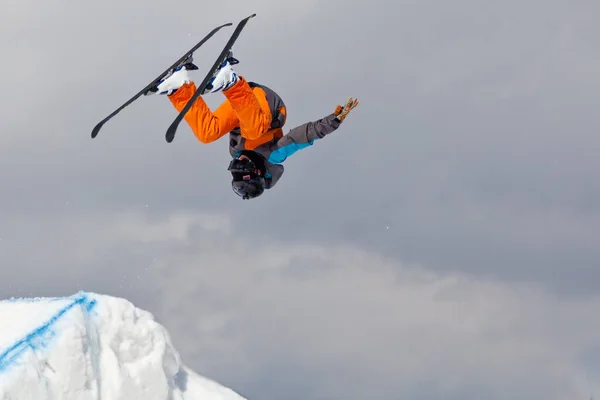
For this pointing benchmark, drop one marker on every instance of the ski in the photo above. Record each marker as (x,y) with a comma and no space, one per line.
(170,135)
(151,85)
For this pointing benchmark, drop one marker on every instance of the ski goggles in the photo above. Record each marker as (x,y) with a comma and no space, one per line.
(245,166)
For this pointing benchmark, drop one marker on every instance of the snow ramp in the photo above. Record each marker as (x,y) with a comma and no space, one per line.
(93,347)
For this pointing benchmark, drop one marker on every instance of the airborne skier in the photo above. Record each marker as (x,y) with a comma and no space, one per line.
(254,116)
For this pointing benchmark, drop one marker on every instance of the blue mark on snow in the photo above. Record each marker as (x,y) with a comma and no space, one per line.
(39,337)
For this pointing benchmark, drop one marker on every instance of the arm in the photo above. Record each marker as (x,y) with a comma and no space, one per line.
(303,136)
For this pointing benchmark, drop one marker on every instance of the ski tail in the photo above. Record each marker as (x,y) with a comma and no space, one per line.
(169,70)
(170,135)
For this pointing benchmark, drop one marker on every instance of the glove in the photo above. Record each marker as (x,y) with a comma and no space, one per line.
(341,112)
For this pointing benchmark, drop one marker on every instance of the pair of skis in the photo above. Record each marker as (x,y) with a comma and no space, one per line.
(170,135)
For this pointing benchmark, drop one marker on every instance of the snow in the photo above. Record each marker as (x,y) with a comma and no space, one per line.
(92,346)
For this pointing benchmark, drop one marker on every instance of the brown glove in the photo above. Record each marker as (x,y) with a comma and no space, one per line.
(341,112)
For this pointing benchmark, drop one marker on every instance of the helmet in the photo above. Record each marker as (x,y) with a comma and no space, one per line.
(248,181)
(249,189)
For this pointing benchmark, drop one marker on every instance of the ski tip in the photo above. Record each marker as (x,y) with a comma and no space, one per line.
(252,16)
(96,130)
(170,135)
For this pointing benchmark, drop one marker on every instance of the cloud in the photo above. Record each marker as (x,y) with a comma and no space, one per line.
(346,323)
(475,136)
(473,155)
(272,316)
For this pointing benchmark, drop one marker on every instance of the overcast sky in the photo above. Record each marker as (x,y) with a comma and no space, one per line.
(444,243)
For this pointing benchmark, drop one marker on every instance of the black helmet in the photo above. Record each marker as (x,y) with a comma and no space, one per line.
(248,181)
(249,189)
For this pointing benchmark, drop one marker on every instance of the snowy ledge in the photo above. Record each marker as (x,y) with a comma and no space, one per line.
(91,346)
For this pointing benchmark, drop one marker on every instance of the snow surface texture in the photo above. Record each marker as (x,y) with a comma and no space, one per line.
(96,347)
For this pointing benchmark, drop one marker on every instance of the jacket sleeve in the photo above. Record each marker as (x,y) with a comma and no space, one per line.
(303,136)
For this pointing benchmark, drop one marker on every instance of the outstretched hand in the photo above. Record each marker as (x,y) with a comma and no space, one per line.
(341,112)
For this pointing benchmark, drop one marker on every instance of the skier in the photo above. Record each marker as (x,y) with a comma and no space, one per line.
(254,116)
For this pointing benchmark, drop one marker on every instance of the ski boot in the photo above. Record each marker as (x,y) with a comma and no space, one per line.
(225,77)
(174,79)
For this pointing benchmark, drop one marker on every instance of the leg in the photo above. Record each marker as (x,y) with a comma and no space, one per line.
(251,108)
(206,125)
(246,108)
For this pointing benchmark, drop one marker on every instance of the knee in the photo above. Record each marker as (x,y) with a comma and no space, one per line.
(205,139)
